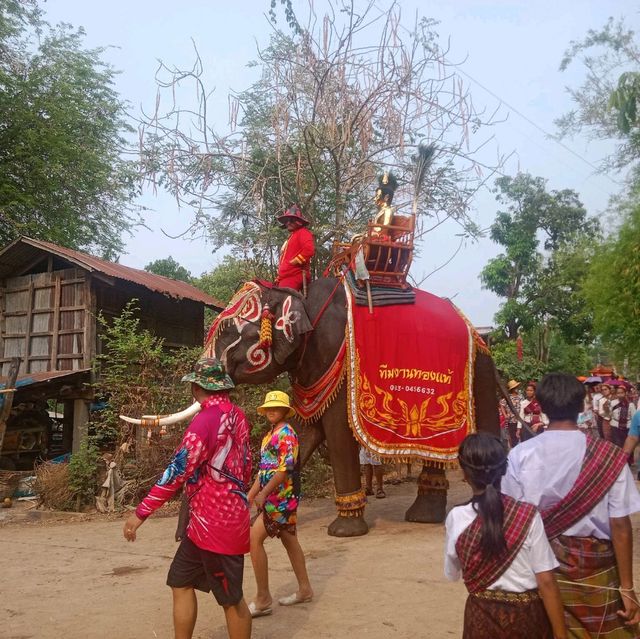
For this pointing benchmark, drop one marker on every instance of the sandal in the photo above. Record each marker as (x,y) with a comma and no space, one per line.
(380,494)
(293,600)
(257,612)
(368,491)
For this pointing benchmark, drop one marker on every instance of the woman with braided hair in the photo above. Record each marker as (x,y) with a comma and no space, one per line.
(499,547)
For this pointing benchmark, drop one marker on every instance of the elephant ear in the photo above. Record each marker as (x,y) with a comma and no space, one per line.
(290,323)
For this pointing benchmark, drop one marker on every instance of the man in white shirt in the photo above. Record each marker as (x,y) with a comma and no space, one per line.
(585,492)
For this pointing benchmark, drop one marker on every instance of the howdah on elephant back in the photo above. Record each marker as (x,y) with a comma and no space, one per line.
(266,331)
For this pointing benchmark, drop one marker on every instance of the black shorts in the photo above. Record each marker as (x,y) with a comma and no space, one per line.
(207,571)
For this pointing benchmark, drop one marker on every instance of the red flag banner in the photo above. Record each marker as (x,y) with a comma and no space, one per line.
(410,378)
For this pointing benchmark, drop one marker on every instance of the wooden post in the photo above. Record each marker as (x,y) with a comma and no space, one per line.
(369,300)
(80,423)
(8,397)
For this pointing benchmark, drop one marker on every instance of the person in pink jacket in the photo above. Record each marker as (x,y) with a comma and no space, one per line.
(213,464)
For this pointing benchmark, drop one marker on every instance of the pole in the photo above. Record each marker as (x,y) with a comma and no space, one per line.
(5,408)
(304,283)
(369,299)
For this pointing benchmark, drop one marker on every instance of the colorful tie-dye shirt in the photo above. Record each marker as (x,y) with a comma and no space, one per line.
(213,462)
(279,453)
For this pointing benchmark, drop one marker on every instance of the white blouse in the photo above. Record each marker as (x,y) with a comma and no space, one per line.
(543,470)
(535,555)
(528,418)
(615,413)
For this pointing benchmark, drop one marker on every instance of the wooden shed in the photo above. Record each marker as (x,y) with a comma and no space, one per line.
(50,297)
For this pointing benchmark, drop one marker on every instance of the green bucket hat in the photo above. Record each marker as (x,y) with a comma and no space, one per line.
(209,373)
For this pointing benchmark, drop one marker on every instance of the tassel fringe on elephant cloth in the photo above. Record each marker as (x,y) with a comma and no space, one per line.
(588,581)
(410,378)
(494,614)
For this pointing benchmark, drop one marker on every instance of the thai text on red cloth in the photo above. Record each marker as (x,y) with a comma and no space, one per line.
(410,377)
(602,463)
(480,571)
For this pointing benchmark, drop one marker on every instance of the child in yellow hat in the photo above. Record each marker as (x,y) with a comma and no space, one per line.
(275,493)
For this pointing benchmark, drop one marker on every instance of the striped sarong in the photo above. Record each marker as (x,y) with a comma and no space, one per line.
(590,611)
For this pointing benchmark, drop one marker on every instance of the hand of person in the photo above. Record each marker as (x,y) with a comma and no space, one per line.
(132,524)
(631,610)
(258,500)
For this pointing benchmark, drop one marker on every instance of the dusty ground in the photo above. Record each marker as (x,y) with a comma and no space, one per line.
(81,580)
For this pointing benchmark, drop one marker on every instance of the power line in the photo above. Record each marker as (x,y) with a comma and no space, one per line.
(538,127)
(517,112)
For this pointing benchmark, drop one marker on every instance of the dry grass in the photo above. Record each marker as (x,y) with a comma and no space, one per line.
(52,486)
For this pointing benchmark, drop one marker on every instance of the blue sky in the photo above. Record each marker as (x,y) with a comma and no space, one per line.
(513,48)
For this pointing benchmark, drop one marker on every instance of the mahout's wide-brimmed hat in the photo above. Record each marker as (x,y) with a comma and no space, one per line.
(276,399)
(210,374)
(293,213)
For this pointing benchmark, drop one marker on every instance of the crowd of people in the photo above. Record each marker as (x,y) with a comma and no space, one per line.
(608,412)
(545,544)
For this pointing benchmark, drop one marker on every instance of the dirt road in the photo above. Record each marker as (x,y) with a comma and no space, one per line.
(81,580)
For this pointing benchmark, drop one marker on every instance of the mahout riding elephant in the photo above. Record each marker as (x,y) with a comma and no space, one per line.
(305,341)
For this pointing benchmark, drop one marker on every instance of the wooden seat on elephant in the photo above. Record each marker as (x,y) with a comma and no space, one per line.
(388,251)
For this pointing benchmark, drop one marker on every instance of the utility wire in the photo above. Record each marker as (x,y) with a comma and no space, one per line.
(538,127)
(517,112)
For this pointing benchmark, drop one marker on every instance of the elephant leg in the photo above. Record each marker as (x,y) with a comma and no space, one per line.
(430,505)
(343,450)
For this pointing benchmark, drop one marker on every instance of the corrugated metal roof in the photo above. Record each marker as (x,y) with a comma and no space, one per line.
(19,252)
(44,376)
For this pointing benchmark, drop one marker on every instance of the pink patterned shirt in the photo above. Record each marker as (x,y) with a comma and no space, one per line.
(213,461)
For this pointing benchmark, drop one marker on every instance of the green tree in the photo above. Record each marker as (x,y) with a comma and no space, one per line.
(606,100)
(613,287)
(225,279)
(169,268)
(62,127)
(545,236)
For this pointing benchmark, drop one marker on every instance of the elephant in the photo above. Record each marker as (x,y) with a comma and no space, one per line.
(304,347)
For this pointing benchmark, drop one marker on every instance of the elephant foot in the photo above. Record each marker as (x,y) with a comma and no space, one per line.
(350,520)
(428,509)
(348,527)
(430,506)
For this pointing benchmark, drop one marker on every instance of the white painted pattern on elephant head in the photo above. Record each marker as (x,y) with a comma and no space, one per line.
(286,321)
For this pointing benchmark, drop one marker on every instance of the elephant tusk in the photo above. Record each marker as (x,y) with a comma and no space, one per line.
(188,413)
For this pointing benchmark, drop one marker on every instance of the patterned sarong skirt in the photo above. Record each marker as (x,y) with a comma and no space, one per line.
(587,569)
(495,614)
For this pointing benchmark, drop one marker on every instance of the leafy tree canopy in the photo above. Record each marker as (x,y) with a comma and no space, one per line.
(613,287)
(545,238)
(62,128)
(606,101)
(224,280)
(169,268)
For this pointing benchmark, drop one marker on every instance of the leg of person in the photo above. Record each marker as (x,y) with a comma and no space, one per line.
(186,573)
(185,612)
(262,601)
(238,620)
(379,474)
(299,565)
(368,479)
(224,574)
